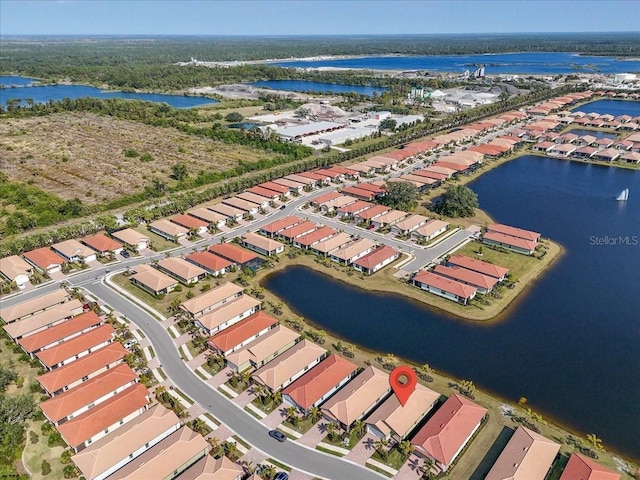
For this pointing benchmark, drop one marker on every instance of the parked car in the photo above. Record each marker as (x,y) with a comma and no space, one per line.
(130,343)
(278,435)
(281,476)
(283,207)
(125,254)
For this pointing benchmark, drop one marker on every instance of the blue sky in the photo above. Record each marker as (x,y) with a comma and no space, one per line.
(294,17)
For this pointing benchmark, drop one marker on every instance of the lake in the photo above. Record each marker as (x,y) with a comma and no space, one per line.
(612,107)
(305,86)
(42,94)
(546,63)
(571,345)
(593,133)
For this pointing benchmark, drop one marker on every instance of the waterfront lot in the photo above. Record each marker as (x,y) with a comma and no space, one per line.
(82,155)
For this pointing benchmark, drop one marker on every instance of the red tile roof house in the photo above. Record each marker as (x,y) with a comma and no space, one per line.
(320,235)
(449,289)
(346,172)
(238,256)
(527,456)
(132,239)
(75,373)
(112,452)
(389,218)
(394,421)
(483,283)
(321,179)
(371,187)
(562,150)
(16,269)
(73,251)
(242,333)
(44,319)
(351,252)
(607,155)
(262,245)
(325,197)
(274,228)
(67,352)
(447,432)
(289,366)
(28,308)
(185,272)
(509,242)
(231,213)
(94,424)
(580,467)
(370,213)
(281,190)
(337,203)
(62,332)
(514,231)
(479,266)
(332,244)
(319,383)
(376,260)
(291,233)
(215,265)
(211,300)
(76,401)
(585,152)
(295,187)
(45,260)
(409,224)
(334,175)
(359,193)
(169,230)
(152,280)
(191,223)
(214,219)
(259,200)
(103,245)
(264,192)
(353,209)
(249,208)
(430,230)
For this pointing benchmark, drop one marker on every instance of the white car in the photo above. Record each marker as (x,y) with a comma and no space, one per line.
(130,343)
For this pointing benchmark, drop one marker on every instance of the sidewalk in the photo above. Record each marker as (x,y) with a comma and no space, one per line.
(363,449)
(411,470)
(314,435)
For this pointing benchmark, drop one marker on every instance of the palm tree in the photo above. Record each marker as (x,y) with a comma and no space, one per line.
(381,447)
(358,427)
(292,415)
(425,371)
(405,448)
(389,361)
(261,392)
(467,388)
(234,378)
(332,429)
(314,414)
(215,445)
(268,471)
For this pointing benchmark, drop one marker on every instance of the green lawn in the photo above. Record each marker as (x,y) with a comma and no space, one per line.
(303,425)
(517,264)
(353,436)
(159,304)
(160,244)
(394,458)
(267,407)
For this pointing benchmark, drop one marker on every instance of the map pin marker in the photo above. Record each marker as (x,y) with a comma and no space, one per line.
(403,381)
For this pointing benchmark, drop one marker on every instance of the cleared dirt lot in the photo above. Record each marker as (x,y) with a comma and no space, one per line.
(83,155)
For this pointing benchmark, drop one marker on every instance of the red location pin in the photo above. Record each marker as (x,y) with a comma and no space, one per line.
(403,381)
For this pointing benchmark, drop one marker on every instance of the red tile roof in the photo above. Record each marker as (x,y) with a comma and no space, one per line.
(453,166)
(491,150)
(376,257)
(63,405)
(72,372)
(263,192)
(281,189)
(82,343)
(187,221)
(314,176)
(343,170)
(326,197)
(358,192)
(446,432)
(373,212)
(60,332)
(511,240)
(316,236)
(297,230)
(355,206)
(318,381)
(466,276)
(44,257)
(327,172)
(430,174)
(101,243)
(474,264)
(238,333)
(84,426)
(580,467)
(208,261)
(444,284)
(370,187)
(281,224)
(232,253)
(514,232)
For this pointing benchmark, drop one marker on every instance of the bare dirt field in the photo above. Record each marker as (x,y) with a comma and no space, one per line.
(83,155)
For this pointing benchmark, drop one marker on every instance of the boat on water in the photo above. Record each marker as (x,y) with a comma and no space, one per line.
(624,195)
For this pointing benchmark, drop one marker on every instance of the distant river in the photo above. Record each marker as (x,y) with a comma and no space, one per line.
(42,94)
(571,345)
(546,63)
(305,86)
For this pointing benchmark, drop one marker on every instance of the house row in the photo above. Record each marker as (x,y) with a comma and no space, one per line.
(511,238)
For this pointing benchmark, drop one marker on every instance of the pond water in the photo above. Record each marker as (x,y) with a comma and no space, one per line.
(571,344)
(42,94)
(612,107)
